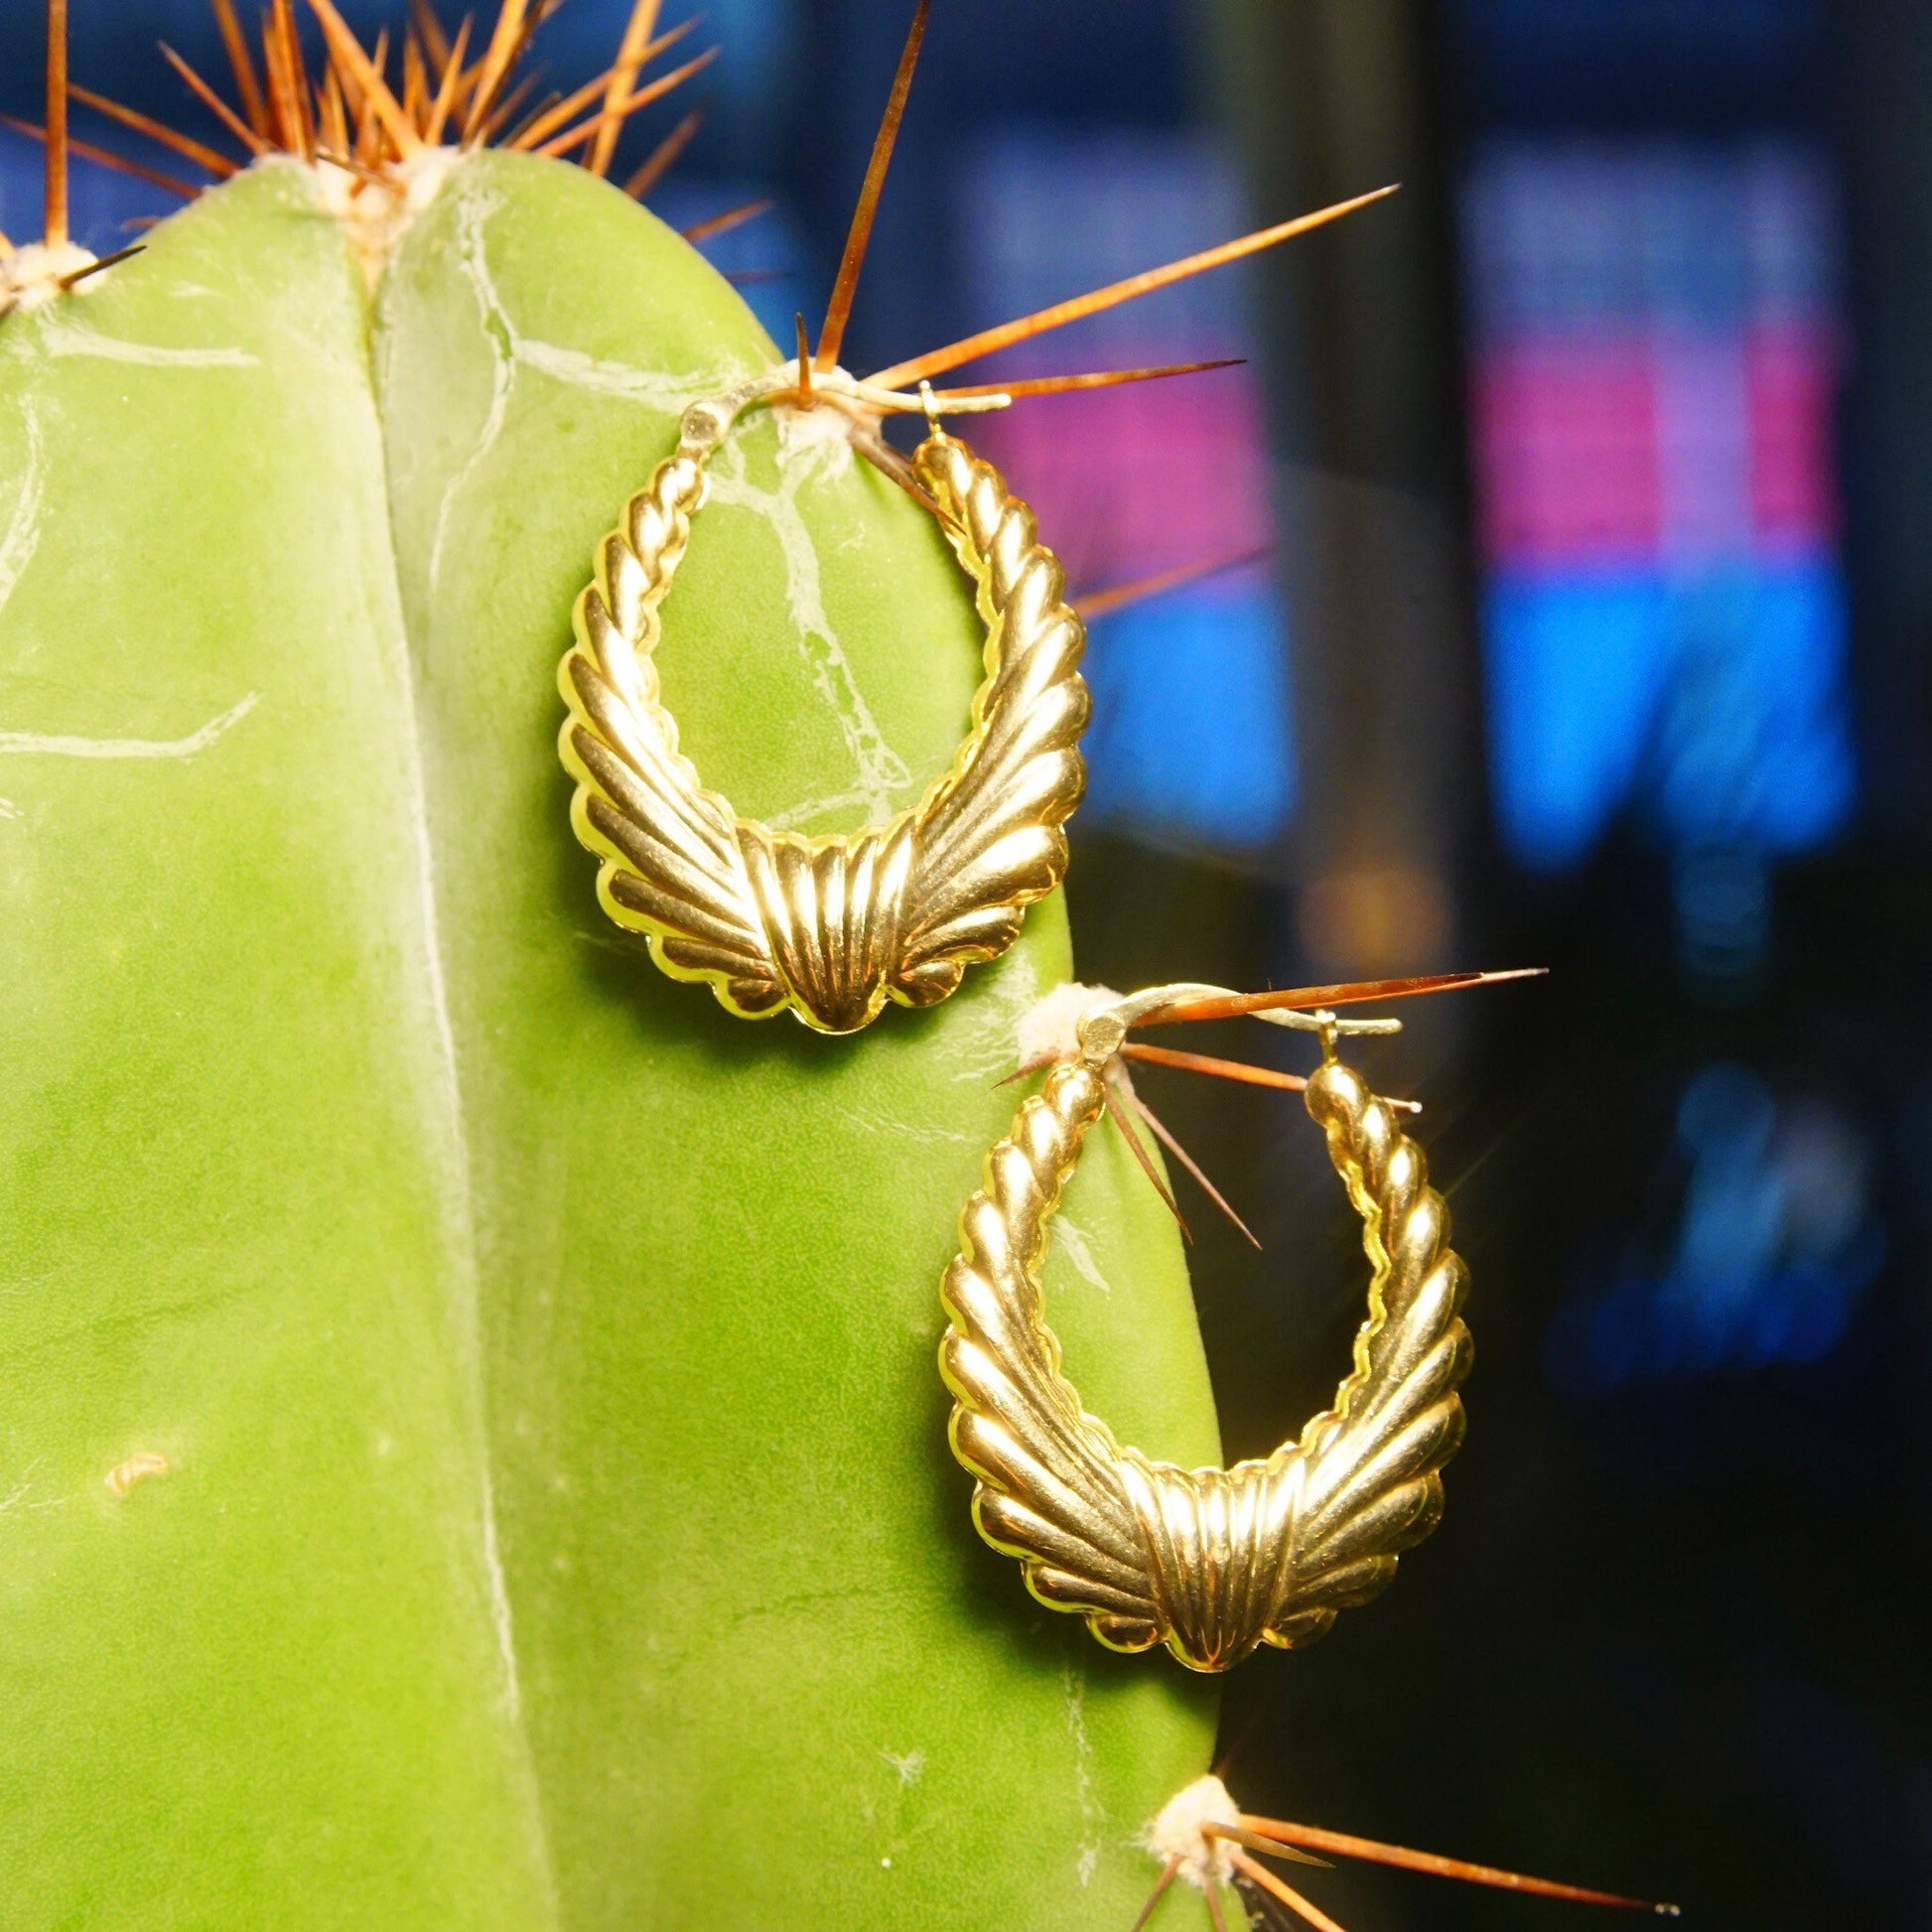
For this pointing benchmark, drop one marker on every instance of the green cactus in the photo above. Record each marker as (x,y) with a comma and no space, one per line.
(471,1453)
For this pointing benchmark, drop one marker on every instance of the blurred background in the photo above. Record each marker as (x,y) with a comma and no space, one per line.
(1571,515)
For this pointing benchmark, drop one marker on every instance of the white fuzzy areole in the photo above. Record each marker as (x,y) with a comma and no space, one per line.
(1180,1832)
(822,437)
(1050,1028)
(376,210)
(33,275)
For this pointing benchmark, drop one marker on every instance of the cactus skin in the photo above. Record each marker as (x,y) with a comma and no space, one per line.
(265,1687)
(496,1301)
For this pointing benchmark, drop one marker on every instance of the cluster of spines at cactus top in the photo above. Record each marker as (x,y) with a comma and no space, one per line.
(379,124)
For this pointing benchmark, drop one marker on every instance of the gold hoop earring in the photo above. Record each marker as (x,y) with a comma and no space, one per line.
(1209,1561)
(829,927)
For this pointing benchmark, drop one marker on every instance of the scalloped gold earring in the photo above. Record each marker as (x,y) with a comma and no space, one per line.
(1209,1561)
(830,927)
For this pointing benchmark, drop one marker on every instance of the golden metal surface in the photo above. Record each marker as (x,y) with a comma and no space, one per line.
(1210,1561)
(830,927)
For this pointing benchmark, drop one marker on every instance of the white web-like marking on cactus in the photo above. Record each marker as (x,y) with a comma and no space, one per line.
(22,1495)
(511,350)
(473,210)
(1074,1680)
(1074,1243)
(881,772)
(17,548)
(650,389)
(499,1601)
(876,803)
(53,337)
(59,745)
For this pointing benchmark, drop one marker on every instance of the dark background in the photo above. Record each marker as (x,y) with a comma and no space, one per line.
(1669,1639)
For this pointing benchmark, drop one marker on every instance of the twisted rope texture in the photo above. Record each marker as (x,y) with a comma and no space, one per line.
(1210,1561)
(831,927)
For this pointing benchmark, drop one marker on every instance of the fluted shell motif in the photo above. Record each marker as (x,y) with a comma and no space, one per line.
(1209,1561)
(830,927)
